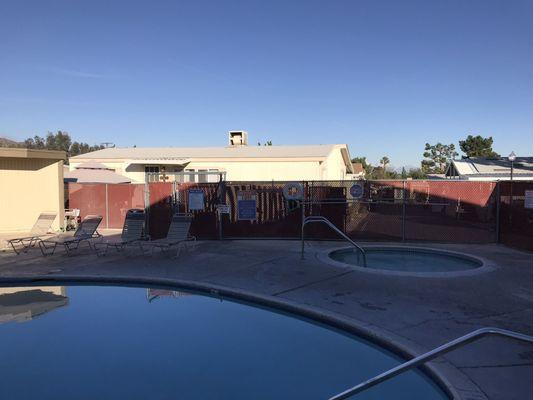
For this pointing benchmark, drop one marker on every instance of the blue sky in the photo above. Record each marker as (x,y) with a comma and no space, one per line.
(382,76)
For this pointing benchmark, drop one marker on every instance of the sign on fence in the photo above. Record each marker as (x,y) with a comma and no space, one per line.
(528,201)
(247,205)
(223,209)
(293,191)
(357,190)
(196,199)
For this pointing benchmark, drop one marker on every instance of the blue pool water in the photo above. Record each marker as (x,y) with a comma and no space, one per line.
(103,342)
(407,259)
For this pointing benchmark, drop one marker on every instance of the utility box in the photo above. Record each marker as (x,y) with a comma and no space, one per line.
(238,138)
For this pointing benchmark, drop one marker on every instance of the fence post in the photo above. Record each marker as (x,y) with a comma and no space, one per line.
(106,208)
(498,201)
(302,206)
(146,207)
(403,211)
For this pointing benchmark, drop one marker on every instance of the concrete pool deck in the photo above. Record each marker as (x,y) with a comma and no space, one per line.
(415,314)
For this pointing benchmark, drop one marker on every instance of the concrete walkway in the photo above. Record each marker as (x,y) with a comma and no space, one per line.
(414,314)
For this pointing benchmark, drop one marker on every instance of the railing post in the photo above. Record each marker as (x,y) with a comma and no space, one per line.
(403,211)
(303,226)
(498,210)
(302,207)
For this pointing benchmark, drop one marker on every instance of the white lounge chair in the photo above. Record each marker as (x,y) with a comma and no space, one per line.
(39,230)
(132,233)
(87,231)
(178,235)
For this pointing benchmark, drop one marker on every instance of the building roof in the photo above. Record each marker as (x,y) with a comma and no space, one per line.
(490,167)
(180,153)
(358,168)
(32,153)
(82,175)
(92,165)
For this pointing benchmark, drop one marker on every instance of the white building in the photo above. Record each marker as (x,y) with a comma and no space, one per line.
(488,169)
(238,161)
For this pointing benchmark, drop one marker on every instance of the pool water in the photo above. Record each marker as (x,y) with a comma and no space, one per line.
(103,342)
(407,259)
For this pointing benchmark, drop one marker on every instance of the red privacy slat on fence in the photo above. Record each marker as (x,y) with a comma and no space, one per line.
(121,198)
(444,211)
(160,208)
(89,199)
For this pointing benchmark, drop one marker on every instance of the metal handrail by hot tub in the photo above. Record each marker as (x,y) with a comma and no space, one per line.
(430,355)
(324,220)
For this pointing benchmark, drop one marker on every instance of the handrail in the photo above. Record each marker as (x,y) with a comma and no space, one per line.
(430,355)
(318,218)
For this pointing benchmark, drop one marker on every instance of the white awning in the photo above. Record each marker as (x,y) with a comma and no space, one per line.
(159,161)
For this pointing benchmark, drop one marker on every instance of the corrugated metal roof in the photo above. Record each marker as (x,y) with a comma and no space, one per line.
(523,166)
(170,153)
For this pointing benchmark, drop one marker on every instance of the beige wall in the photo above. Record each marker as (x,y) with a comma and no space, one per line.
(332,167)
(29,186)
(262,170)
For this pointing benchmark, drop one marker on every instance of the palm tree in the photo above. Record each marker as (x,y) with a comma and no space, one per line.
(384,161)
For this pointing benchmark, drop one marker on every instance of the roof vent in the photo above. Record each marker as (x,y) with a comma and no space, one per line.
(238,138)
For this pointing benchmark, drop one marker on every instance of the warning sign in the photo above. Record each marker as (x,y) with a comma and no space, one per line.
(247,205)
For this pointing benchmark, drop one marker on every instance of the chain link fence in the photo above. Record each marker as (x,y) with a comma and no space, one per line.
(394,210)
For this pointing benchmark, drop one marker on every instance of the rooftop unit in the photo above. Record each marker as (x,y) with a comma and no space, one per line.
(238,138)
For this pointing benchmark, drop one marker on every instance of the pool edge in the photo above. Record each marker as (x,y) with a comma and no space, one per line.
(439,371)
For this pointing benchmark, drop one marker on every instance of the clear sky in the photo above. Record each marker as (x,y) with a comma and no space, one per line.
(382,76)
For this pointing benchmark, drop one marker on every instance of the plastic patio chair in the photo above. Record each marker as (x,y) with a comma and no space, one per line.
(177,235)
(39,229)
(87,231)
(133,232)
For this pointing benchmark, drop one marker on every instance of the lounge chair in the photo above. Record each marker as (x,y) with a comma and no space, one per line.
(132,233)
(87,231)
(178,235)
(38,231)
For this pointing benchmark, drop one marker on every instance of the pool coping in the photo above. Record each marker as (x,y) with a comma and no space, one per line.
(439,371)
(486,265)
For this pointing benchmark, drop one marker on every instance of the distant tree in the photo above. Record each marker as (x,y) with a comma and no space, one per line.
(384,161)
(267,143)
(60,141)
(417,173)
(478,146)
(35,142)
(82,148)
(437,156)
(404,173)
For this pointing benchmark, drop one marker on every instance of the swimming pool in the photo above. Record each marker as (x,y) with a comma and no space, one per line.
(407,259)
(88,342)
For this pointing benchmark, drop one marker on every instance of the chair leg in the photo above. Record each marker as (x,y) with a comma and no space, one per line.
(17,251)
(178,250)
(45,250)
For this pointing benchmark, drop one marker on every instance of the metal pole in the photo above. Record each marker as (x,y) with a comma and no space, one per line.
(302,206)
(106,208)
(498,209)
(403,212)
(511,198)
(220,200)
(146,207)
(430,355)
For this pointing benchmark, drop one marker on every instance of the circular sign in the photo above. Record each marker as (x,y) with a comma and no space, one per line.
(293,191)
(357,190)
